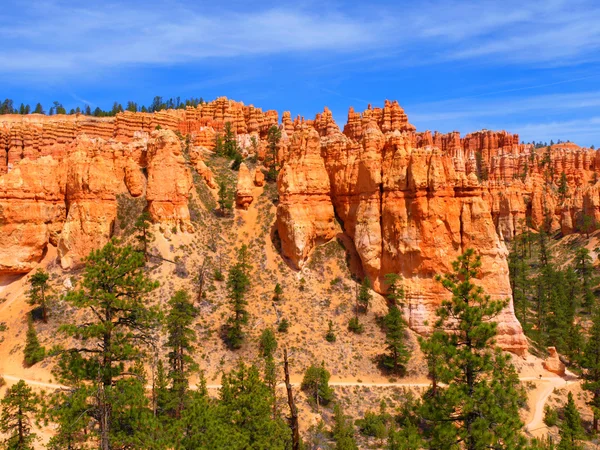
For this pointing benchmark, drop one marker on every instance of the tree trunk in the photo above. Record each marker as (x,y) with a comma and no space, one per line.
(293,410)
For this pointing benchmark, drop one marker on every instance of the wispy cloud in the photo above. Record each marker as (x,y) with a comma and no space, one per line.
(65,37)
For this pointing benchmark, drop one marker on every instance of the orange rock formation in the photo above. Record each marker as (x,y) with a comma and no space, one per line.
(410,201)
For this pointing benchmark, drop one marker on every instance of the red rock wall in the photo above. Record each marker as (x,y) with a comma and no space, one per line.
(410,201)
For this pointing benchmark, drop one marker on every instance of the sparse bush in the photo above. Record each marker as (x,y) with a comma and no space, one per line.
(218,275)
(355,326)
(128,211)
(284,325)
(278,292)
(330,335)
(373,424)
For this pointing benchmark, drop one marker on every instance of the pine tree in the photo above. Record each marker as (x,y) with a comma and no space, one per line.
(479,404)
(271,160)
(19,408)
(144,236)
(238,284)
(68,410)
(316,383)
(33,351)
(230,146)
(563,186)
(398,355)
(247,402)
(364,295)
(330,335)
(225,198)
(117,325)
(591,366)
(278,292)
(584,267)
(37,291)
(38,109)
(268,343)
(342,431)
(180,342)
(203,426)
(395,291)
(570,429)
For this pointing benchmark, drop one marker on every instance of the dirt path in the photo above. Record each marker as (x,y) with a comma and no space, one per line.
(536,426)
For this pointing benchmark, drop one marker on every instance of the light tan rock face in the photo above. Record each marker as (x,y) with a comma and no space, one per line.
(91,187)
(553,363)
(409,207)
(244,187)
(305,215)
(32,209)
(169,180)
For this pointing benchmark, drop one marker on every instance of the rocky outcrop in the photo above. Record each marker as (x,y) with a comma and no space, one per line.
(169,180)
(244,187)
(91,187)
(409,201)
(553,363)
(305,215)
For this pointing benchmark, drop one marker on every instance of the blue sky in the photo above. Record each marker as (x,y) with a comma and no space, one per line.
(530,66)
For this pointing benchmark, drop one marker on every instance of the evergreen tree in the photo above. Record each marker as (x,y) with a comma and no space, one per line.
(246,402)
(395,327)
(238,284)
(88,110)
(38,109)
(33,351)
(570,429)
(180,342)
(342,431)
(278,292)
(316,384)
(68,410)
(395,291)
(584,267)
(19,408)
(225,198)
(117,325)
(38,291)
(330,335)
(273,138)
(364,295)
(230,146)
(591,366)
(204,427)
(143,231)
(479,404)
(563,186)
(268,343)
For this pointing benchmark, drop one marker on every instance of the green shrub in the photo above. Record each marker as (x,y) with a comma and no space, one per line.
(372,424)
(330,335)
(355,326)
(283,326)
(550,416)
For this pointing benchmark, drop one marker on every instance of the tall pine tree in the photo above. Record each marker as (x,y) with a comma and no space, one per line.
(117,324)
(478,405)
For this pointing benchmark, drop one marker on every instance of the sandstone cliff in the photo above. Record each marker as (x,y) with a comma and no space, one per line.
(409,201)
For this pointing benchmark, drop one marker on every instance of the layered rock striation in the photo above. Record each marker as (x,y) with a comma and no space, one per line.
(409,201)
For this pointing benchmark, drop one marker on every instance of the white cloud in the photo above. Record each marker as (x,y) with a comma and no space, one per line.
(60,36)
(75,38)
